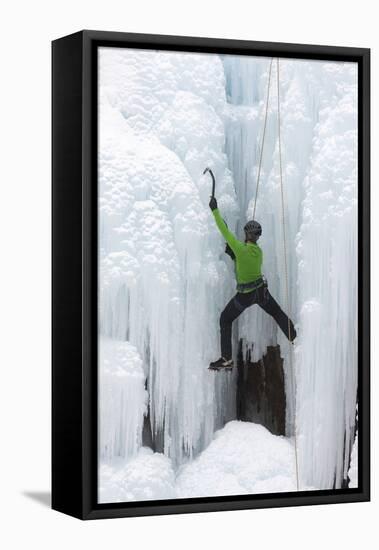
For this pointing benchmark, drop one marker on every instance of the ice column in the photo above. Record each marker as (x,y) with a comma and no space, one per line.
(163,276)
(318,125)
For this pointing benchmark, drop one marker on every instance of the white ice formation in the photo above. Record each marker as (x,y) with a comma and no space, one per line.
(164,278)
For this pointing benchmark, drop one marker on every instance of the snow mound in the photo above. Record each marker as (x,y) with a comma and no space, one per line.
(243,458)
(149,476)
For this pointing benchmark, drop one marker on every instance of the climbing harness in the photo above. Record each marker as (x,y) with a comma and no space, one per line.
(249,287)
(288,303)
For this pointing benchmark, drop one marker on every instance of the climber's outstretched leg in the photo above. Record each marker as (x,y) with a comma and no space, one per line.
(270,306)
(232,310)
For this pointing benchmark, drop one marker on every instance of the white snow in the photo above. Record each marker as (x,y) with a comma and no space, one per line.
(149,476)
(243,458)
(164,278)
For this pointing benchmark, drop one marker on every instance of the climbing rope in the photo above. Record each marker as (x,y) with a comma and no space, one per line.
(263,136)
(288,304)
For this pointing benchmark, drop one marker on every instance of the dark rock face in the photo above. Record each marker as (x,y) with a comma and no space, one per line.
(261,395)
(149,439)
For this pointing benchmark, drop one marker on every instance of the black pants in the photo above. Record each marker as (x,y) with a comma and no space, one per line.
(239,303)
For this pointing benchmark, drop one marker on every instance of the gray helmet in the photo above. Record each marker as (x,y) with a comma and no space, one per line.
(253,229)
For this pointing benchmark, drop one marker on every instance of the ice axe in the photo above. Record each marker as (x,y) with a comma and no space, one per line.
(213,180)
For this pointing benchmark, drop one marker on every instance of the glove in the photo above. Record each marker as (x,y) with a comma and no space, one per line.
(229,252)
(213,203)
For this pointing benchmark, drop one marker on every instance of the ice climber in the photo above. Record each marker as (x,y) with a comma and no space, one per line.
(251,286)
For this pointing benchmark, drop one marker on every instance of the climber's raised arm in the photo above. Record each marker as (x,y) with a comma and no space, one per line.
(232,241)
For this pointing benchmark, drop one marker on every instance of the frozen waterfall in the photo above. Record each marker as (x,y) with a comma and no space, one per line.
(163,275)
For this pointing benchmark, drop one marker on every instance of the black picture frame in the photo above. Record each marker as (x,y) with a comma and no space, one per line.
(74,273)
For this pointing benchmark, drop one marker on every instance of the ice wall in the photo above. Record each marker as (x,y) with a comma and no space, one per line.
(353,471)
(163,276)
(122,399)
(327,285)
(319,149)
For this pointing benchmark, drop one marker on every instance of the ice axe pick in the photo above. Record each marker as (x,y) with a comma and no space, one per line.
(213,180)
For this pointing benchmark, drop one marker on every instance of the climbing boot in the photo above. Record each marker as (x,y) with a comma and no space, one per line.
(222,364)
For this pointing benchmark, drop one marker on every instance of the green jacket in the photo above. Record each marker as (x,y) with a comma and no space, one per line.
(249,256)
